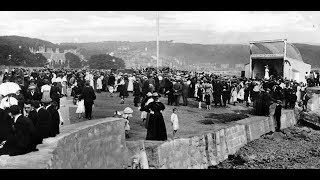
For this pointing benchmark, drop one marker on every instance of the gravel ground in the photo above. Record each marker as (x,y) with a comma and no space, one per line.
(294,148)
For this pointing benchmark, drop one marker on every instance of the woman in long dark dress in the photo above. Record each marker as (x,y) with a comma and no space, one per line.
(259,103)
(121,88)
(125,88)
(156,126)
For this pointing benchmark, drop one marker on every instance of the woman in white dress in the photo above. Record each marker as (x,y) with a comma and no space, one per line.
(80,108)
(130,83)
(91,80)
(45,90)
(64,85)
(54,77)
(234,94)
(298,93)
(241,94)
(99,84)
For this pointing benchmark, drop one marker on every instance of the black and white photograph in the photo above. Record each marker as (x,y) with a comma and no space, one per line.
(210,90)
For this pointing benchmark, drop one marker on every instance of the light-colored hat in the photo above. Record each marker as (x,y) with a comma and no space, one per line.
(128,110)
(32,87)
(155,94)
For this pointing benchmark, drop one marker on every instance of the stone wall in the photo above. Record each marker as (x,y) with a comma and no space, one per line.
(314,101)
(90,144)
(101,144)
(312,115)
(211,148)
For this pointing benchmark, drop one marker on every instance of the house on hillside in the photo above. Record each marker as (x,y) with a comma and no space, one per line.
(53,57)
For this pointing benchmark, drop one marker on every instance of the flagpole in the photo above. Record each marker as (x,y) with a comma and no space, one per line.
(157,41)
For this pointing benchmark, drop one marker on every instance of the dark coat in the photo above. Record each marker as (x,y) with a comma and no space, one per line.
(5,124)
(111,80)
(55,120)
(156,126)
(21,138)
(217,89)
(35,96)
(44,123)
(136,89)
(55,93)
(88,95)
(185,90)
(33,116)
(177,89)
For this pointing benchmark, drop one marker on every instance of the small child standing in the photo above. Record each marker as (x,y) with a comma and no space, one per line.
(175,122)
(80,108)
(127,112)
(207,98)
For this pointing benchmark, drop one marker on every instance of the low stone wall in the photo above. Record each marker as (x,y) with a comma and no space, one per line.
(312,115)
(211,148)
(314,101)
(90,144)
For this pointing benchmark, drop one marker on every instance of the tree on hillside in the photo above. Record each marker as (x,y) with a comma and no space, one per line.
(20,57)
(105,61)
(74,60)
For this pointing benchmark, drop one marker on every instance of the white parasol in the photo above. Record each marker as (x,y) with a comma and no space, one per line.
(8,88)
(8,102)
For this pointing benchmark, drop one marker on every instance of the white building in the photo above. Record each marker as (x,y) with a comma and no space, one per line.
(283,59)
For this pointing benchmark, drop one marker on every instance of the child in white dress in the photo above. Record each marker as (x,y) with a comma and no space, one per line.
(175,122)
(80,109)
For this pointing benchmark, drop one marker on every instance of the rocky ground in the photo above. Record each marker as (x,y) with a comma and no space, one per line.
(294,148)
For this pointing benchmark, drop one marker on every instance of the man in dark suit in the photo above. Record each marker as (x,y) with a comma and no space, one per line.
(217,93)
(20,139)
(89,96)
(185,92)
(44,123)
(33,95)
(55,93)
(177,92)
(55,117)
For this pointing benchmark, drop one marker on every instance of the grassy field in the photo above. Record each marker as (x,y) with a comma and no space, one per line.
(192,120)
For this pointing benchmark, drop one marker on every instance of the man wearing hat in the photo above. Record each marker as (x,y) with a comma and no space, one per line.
(277,114)
(55,118)
(177,92)
(33,94)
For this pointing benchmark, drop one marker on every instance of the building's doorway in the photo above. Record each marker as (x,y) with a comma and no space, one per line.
(275,68)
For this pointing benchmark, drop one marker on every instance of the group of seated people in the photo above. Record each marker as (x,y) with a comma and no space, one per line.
(21,130)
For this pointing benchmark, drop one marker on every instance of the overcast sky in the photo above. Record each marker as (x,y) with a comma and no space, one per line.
(203,27)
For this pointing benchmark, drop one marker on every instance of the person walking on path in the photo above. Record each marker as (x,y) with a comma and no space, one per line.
(88,96)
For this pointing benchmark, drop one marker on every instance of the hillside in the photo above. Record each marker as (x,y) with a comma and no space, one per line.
(310,54)
(26,42)
(14,50)
(221,53)
(144,52)
(192,53)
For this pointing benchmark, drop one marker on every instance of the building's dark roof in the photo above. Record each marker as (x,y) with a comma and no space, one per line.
(276,48)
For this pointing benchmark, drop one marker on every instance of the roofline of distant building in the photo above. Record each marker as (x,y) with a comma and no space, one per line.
(268,41)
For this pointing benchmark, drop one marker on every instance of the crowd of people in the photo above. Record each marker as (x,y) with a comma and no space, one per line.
(33,113)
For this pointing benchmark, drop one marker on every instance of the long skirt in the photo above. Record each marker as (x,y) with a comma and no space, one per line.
(156,128)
